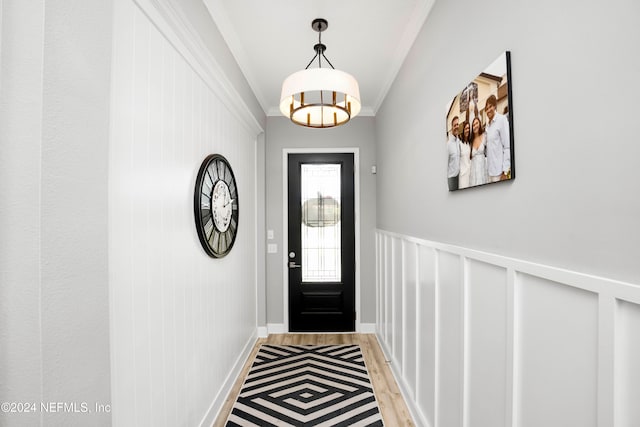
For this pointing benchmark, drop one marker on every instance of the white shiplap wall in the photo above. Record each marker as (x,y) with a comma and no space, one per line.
(477,339)
(181,322)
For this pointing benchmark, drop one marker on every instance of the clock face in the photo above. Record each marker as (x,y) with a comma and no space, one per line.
(216,206)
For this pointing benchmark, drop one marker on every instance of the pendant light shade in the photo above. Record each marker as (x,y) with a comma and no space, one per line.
(320,97)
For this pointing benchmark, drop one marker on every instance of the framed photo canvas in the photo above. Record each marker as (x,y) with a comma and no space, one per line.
(480,129)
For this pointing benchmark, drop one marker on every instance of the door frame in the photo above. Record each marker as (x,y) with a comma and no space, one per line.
(285,223)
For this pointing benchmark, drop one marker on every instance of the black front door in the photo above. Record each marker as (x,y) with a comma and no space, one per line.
(321,255)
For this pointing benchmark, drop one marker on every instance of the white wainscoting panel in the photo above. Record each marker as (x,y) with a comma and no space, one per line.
(410,312)
(485,343)
(450,336)
(557,362)
(181,322)
(627,376)
(397,291)
(477,339)
(426,333)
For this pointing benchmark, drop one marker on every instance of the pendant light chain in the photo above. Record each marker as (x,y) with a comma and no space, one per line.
(320,49)
(325,58)
(310,62)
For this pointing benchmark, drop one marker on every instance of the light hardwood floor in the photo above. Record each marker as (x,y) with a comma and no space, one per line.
(392,405)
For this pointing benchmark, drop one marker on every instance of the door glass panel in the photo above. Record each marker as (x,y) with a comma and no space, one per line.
(321,228)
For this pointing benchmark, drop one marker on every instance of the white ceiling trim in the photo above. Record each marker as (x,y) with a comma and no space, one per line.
(413,27)
(173,25)
(219,15)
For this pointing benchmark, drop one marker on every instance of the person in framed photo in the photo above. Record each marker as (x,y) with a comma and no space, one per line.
(453,148)
(478,174)
(498,142)
(465,156)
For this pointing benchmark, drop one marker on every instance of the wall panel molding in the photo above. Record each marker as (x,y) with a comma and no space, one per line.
(501,340)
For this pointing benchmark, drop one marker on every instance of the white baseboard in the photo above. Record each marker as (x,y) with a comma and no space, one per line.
(276,328)
(279,328)
(366,328)
(414,411)
(218,401)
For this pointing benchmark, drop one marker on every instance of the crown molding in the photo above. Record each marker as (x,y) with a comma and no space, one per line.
(418,18)
(176,29)
(221,19)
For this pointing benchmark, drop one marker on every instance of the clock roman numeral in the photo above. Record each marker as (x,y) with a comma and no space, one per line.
(221,169)
(230,233)
(208,227)
(213,173)
(232,189)
(207,185)
(214,239)
(222,244)
(205,202)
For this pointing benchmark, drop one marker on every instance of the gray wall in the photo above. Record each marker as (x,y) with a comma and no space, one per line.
(574,203)
(261,233)
(281,133)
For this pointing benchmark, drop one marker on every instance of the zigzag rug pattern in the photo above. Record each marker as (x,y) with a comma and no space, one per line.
(307,386)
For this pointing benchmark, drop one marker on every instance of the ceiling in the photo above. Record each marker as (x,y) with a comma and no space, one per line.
(272,39)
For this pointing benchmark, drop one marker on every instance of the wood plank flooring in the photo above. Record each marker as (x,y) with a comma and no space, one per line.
(392,406)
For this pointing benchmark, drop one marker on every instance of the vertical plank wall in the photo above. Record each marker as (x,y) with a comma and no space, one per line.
(180,320)
(478,340)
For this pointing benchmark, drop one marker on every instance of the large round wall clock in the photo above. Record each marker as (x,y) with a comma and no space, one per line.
(215,205)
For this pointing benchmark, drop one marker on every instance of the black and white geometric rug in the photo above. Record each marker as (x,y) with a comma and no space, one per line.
(307,386)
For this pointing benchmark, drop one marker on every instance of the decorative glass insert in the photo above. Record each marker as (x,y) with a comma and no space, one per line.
(321,228)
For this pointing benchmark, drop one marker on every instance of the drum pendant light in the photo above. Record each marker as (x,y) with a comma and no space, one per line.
(320,97)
